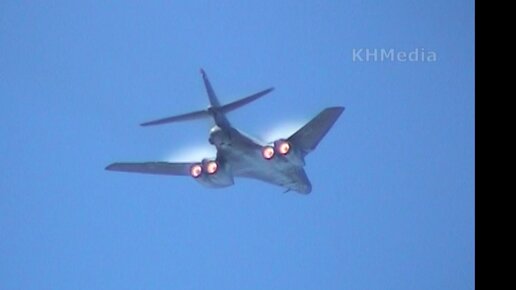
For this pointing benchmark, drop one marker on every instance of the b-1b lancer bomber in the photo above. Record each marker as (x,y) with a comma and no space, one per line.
(280,162)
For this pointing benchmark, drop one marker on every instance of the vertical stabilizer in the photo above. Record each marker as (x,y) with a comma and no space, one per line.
(214,102)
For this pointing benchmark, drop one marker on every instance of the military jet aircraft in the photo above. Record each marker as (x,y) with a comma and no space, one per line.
(279,162)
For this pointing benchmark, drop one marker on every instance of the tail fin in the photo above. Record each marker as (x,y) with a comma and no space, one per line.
(215,110)
(312,133)
(214,102)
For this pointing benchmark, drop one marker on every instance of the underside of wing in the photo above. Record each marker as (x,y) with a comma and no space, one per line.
(312,133)
(165,168)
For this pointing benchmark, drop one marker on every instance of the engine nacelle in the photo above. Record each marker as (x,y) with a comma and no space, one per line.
(283,149)
(291,153)
(211,173)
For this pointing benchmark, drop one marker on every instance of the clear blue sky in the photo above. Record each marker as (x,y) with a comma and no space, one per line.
(393,199)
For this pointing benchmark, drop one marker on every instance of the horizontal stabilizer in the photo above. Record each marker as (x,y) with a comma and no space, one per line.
(209,112)
(242,102)
(184,117)
(312,133)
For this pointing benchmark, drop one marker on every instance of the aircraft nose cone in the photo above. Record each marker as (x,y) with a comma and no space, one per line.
(304,188)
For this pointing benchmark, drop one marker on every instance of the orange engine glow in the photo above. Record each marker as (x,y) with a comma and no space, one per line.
(196,170)
(284,148)
(211,167)
(268,152)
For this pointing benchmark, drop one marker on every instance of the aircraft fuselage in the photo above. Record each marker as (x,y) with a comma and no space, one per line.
(244,156)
